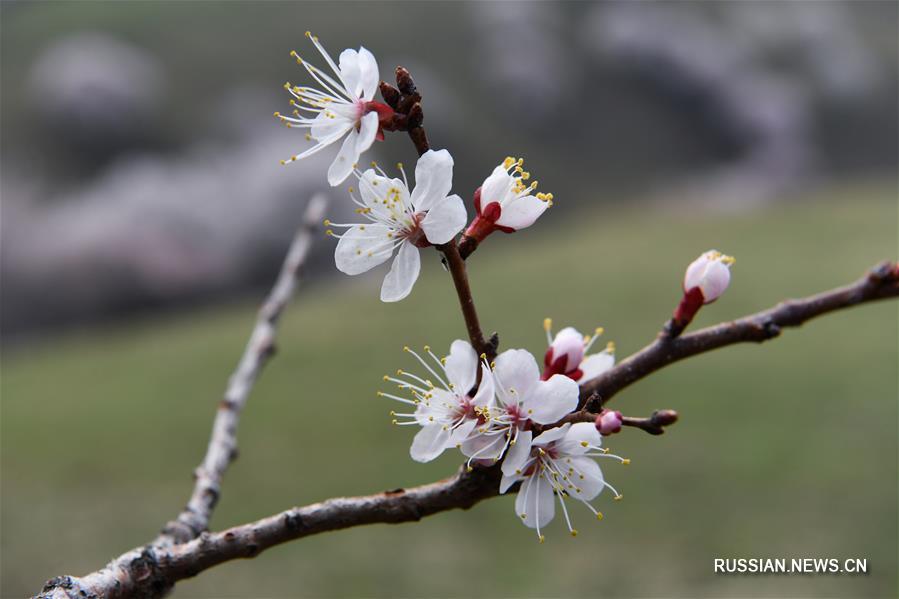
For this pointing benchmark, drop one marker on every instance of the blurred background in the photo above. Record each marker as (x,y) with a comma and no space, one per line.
(144,214)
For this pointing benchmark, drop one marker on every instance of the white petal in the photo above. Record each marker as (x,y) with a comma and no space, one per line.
(325,127)
(374,189)
(506,482)
(521,212)
(518,454)
(535,504)
(446,218)
(548,401)
(715,281)
(368,68)
(516,369)
(368,130)
(591,484)
(596,364)
(487,447)
(496,187)
(433,179)
(343,163)
(462,366)
(551,435)
(350,72)
(486,390)
(429,443)
(580,433)
(403,273)
(462,432)
(362,247)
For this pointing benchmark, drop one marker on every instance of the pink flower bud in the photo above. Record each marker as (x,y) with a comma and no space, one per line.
(710,273)
(608,422)
(566,352)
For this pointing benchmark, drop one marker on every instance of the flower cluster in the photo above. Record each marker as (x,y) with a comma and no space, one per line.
(506,411)
(398,220)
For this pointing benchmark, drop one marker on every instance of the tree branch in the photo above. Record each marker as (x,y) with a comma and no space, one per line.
(456,266)
(151,571)
(222,449)
(881,282)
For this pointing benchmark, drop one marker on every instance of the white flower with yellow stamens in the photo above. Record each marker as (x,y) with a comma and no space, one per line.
(559,462)
(400,219)
(343,107)
(444,409)
(506,202)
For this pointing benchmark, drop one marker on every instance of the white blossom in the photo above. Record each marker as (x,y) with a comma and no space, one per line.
(341,109)
(447,414)
(400,220)
(710,273)
(559,462)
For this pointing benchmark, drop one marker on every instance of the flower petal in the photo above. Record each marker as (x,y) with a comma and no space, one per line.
(496,187)
(343,163)
(486,390)
(548,401)
(486,447)
(368,130)
(368,70)
(516,372)
(461,433)
(324,127)
(444,220)
(518,454)
(535,504)
(462,366)
(429,442)
(596,364)
(362,247)
(433,179)
(587,477)
(403,273)
(350,71)
(506,482)
(579,438)
(521,212)
(551,435)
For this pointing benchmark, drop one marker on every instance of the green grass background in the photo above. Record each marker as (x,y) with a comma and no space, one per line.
(784,450)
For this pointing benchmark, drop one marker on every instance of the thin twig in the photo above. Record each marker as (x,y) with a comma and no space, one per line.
(456,266)
(222,449)
(880,282)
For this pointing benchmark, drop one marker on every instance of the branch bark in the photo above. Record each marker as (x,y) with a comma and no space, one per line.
(222,449)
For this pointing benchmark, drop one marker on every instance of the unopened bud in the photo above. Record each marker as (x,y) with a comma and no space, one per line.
(565,353)
(664,417)
(710,273)
(608,422)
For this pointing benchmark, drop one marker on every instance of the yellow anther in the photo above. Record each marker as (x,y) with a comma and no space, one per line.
(469,469)
(728,259)
(308,137)
(406,348)
(547,324)
(540,451)
(309,34)
(625,462)
(351,189)
(427,348)
(399,165)
(610,347)
(326,222)
(483,356)
(277,114)
(618,497)
(599,331)
(542,538)
(574,532)
(599,515)
(584,444)
(399,371)
(373,164)
(329,232)
(283,162)
(386,378)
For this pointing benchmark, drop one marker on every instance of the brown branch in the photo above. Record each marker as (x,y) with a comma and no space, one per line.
(880,282)
(222,449)
(150,572)
(456,266)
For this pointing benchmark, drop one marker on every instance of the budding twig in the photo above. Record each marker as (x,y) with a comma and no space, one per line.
(222,450)
(880,282)
(456,266)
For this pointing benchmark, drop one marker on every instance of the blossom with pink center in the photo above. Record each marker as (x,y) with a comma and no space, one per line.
(505,202)
(522,400)
(558,464)
(342,109)
(400,219)
(445,408)
(567,354)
